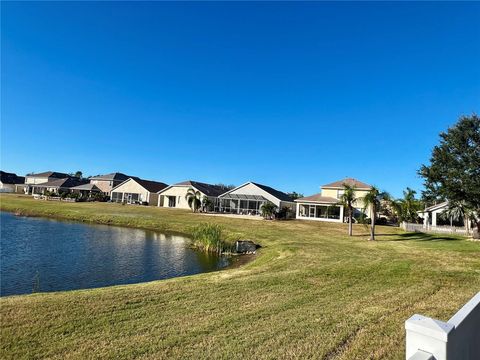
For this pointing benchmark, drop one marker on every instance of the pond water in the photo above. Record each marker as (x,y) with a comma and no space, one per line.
(39,254)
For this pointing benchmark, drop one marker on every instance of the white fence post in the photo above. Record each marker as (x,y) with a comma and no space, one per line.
(457,339)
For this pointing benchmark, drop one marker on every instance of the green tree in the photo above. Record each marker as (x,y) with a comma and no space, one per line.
(454,170)
(406,208)
(194,199)
(268,210)
(207,204)
(460,210)
(372,201)
(294,195)
(78,174)
(348,199)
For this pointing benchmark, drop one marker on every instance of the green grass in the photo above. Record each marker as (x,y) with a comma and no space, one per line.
(311,292)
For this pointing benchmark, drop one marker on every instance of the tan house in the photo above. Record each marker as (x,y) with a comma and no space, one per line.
(247,199)
(137,191)
(174,195)
(10,182)
(56,186)
(325,206)
(41,178)
(107,182)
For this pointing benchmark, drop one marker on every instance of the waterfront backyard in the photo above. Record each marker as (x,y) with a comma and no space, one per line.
(311,292)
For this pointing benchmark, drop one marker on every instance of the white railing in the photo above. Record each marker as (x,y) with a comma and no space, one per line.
(457,339)
(434,229)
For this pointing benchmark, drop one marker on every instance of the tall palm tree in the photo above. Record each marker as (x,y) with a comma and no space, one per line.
(372,201)
(194,199)
(459,210)
(406,208)
(348,199)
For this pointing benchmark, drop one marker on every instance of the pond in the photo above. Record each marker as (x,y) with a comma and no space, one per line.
(39,254)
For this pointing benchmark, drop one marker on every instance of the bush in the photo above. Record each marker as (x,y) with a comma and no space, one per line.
(209,237)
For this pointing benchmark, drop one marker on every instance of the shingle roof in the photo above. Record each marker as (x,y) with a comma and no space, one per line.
(151,186)
(88,187)
(278,194)
(11,178)
(62,183)
(349,181)
(207,189)
(318,198)
(52,174)
(112,176)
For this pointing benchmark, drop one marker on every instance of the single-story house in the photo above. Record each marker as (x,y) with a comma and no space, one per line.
(325,206)
(86,190)
(9,182)
(107,182)
(56,186)
(174,195)
(432,215)
(41,178)
(247,199)
(137,191)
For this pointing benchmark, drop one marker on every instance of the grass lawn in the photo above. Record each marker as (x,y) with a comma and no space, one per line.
(311,292)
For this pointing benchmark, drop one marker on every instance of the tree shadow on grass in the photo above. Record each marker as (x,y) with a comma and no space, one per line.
(418,236)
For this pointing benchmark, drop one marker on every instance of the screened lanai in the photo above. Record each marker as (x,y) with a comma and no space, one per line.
(240,204)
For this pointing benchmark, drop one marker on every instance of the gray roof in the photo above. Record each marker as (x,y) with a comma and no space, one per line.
(207,189)
(276,193)
(87,187)
(52,174)
(151,186)
(11,178)
(113,176)
(62,183)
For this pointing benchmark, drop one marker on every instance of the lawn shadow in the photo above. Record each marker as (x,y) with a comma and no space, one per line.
(419,236)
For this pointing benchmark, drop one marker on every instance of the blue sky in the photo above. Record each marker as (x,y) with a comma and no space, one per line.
(293,95)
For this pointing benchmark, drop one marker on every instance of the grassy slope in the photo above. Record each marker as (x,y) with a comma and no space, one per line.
(311,292)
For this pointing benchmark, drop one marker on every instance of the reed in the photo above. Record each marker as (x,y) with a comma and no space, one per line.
(211,238)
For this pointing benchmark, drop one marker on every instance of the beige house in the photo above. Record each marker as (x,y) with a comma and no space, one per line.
(56,186)
(107,182)
(174,195)
(41,178)
(137,191)
(325,206)
(10,182)
(247,199)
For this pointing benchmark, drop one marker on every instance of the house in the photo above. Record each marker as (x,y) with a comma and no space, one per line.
(56,186)
(9,182)
(174,195)
(432,215)
(247,199)
(137,191)
(325,206)
(41,178)
(86,190)
(107,182)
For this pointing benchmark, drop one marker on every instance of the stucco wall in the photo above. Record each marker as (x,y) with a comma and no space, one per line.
(130,186)
(103,185)
(179,192)
(35,180)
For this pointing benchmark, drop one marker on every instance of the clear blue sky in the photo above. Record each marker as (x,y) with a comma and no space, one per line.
(289,95)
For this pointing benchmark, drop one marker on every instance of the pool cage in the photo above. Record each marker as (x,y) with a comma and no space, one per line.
(241,204)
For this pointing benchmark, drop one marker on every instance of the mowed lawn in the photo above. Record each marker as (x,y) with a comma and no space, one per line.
(311,292)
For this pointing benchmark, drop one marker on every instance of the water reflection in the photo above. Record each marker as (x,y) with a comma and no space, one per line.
(55,255)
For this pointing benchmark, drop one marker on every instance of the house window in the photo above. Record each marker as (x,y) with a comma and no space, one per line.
(171,201)
(340,193)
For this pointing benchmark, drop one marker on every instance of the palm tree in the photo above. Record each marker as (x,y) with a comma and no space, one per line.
(372,200)
(459,210)
(406,208)
(194,199)
(207,203)
(268,210)
(348,199)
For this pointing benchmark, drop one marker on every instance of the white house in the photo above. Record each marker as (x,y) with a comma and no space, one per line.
(174,195)
(248,198)
(137,191)
(325,206)
(9,181)
(431,214)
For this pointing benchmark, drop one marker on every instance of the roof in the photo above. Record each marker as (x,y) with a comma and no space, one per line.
(88,187)
(349,181)
(11,178)
(245,197)
(435,207)
(318,198)
(276,193)
(68,182)
(149,185)
(207,189)
(113,176)
(53,174)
